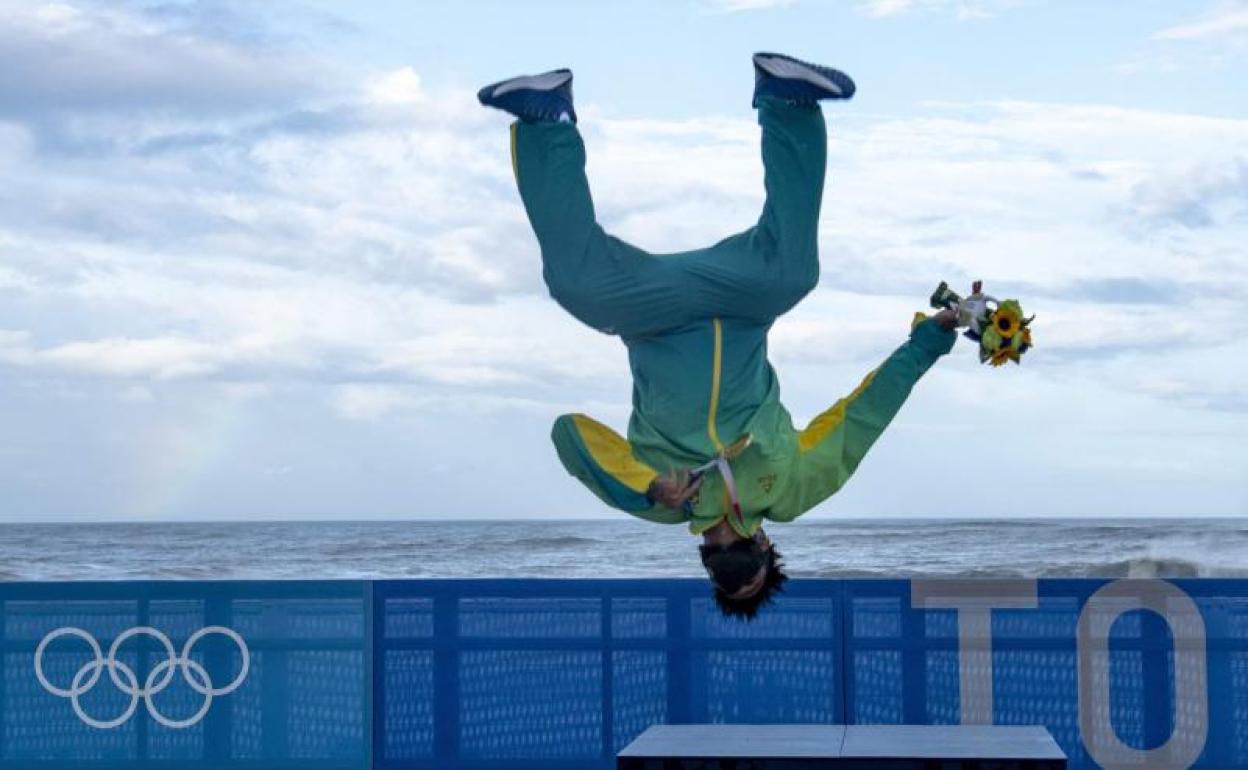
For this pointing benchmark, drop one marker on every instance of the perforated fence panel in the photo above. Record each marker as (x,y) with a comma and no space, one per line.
(1146,675)
(186,674)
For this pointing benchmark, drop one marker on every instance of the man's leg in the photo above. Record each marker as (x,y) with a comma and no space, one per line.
(619,288)
(604,282)
(795,158)
(763,272)
(766,270)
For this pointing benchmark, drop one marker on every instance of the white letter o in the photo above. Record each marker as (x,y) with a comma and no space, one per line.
(1191,693)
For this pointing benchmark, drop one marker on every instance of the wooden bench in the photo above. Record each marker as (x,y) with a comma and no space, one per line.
(845,747)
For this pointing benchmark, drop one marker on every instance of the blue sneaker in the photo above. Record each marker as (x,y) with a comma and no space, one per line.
(533,98)
(798,82)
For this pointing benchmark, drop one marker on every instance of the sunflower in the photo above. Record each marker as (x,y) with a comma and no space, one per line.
(1007,318)
(1003,355)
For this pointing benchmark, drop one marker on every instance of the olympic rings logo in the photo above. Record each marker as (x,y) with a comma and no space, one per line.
(124,678)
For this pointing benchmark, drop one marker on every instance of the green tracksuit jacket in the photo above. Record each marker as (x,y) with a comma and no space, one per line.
(695,324)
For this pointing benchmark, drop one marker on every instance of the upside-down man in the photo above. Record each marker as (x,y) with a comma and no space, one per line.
(705,399)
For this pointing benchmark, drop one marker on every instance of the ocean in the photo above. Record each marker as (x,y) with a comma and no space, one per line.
(618,548)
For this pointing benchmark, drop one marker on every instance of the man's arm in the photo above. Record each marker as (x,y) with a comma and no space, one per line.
(833,444)
(603,461)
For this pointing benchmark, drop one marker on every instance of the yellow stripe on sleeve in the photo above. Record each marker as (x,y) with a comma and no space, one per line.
(830,420)
(611,452)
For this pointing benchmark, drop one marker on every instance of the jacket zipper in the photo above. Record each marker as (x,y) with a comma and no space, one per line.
(716,366)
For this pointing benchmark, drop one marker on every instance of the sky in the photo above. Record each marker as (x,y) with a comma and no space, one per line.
(267,261)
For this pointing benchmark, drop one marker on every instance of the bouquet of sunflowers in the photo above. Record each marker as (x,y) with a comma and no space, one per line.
(999,327)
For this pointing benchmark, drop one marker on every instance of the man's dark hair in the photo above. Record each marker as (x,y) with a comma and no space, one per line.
(733,566)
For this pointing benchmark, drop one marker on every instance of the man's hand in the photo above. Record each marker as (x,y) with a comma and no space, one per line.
(674,489)
(947,319)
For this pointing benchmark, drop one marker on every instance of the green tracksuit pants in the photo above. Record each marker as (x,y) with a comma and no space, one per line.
(618,288)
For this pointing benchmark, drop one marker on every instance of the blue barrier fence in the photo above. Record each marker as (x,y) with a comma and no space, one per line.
(466,674)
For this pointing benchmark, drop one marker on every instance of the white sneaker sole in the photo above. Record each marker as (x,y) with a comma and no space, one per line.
(791,70)
(546,82)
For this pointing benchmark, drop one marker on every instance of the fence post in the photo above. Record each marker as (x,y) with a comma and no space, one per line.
(679,675)
(219,720)
(840,610)
(372,668)
(608,676)
(913,660)
(446,704)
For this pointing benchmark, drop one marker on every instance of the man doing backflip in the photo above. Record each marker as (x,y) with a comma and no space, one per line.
(709,443)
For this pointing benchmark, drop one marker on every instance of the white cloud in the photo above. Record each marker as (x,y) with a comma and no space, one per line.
(1226,22)
(60,56)
(1199,195)
(734,6)
(370,402)
(401,86)
(385,260)
(1208,43)
(159,358)
(961,9)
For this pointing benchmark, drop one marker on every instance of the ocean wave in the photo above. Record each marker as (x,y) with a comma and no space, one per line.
(1163,567)
(1169,567)
(560,541)
(586,549)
